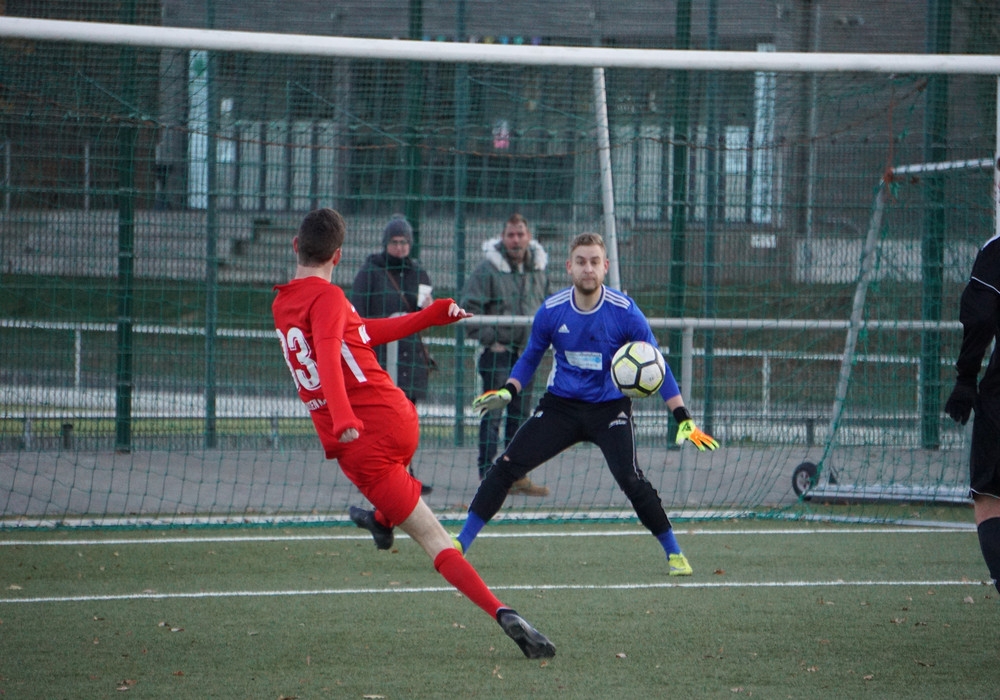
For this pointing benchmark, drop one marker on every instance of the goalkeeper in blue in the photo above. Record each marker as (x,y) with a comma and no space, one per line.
(584,324)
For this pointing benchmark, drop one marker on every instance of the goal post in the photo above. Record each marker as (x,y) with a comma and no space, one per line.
(501,54)
(827,485)
(802,270)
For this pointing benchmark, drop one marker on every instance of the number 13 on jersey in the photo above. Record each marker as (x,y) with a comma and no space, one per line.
(306,376)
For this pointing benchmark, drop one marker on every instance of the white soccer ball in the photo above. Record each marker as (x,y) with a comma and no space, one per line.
(637,369)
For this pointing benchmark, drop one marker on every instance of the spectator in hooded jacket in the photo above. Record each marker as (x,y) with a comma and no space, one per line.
(511,280)
(391,282)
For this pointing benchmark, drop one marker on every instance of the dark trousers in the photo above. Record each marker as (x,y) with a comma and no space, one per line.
(984,462)
(494,368)
(556,425)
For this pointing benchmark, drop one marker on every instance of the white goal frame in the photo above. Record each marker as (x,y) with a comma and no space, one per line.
(597,58)
(453,52)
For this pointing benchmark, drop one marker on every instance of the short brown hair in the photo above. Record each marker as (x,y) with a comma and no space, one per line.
(516,219)
(321,235)
(587,239)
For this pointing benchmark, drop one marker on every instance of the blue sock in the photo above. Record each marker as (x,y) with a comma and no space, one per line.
(473,524)
(669,542)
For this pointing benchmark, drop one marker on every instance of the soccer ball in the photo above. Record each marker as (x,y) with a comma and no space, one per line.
(637,369)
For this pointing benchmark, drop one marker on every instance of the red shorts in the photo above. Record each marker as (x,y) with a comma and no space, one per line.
(376,462)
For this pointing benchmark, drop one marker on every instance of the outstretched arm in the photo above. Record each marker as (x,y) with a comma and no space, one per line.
(440,313)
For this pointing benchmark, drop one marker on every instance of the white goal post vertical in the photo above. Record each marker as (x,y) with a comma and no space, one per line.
(607,181)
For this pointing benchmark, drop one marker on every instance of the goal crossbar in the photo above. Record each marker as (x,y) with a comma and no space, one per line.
(453,52)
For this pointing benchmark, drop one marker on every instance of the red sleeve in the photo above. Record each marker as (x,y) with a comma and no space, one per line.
(329,314)
(385,330)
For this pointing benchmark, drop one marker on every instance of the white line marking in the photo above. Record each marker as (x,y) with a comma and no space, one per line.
(449,589)
(329,518)
(445,516)
(195,539)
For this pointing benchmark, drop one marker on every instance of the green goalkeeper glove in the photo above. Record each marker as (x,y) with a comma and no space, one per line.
(494,400)
(687,430)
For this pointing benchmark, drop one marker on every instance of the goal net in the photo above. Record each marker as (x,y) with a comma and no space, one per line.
(797,227)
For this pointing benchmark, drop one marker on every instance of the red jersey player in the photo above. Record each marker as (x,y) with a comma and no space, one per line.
(363,420)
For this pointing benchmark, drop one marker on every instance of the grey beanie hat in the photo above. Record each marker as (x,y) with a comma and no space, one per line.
(398,226)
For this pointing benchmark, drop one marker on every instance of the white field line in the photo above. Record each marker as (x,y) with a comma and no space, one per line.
(196,539)
(328,519)
(449,589)
(445,517)
(152,595)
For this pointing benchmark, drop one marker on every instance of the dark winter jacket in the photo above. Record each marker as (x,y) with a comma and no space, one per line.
(375,296)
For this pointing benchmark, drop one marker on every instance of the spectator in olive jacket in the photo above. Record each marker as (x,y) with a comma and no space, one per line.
(511,280)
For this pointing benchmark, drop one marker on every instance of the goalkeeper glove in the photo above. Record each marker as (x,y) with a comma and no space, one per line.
(687,430)
(495,399)
(959,404)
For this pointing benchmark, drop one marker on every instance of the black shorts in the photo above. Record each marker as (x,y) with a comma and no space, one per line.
(984,460)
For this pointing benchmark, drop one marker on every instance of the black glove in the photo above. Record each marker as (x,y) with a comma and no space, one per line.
(959,404)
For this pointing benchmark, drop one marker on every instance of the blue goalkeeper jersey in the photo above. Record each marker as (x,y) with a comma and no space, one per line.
(583,343)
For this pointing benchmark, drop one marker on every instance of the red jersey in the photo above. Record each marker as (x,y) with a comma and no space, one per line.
(328,348)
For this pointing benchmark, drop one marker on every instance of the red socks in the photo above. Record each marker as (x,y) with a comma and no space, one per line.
(382,520)
(461,574)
